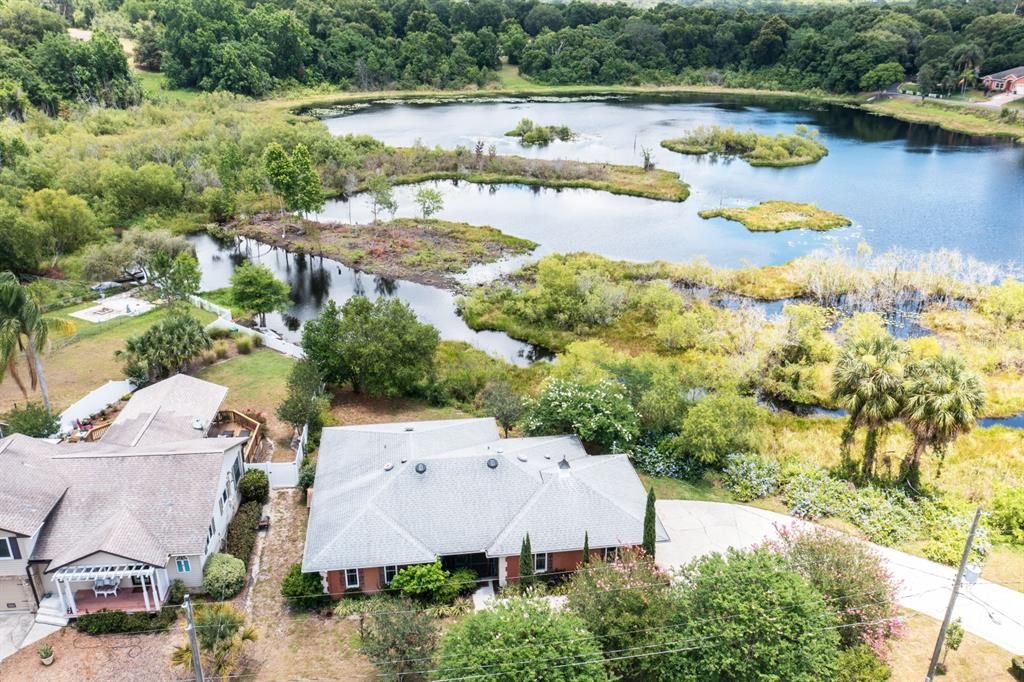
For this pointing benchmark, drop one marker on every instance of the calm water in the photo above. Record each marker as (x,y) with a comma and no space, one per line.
(313,281)
(904,186)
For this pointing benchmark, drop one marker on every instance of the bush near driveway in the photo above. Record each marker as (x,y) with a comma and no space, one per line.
(224,576)
(241,536)
(255,486)
(109,622)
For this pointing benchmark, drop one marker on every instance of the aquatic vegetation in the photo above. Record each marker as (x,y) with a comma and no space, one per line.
(530,133)
(800,148)
(776,216)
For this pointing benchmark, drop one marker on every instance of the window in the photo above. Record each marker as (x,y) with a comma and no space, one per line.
(611,553)
(351,578)
(224,495)
(389,574)
(540,563)
(236,470)
(221,503)
(183,564)
(210,533)
(6,550)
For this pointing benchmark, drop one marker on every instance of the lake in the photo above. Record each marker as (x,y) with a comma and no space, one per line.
(905,186)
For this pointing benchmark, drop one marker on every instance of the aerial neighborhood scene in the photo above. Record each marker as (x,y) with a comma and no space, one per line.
(512,340)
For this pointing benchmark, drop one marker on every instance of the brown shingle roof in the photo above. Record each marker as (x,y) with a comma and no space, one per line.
(30,485)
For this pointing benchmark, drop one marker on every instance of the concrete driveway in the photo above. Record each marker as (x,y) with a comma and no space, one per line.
(992,612)
(13,629)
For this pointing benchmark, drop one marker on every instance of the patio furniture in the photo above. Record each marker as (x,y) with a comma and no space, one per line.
(244,433)
(227,434)
(105,587)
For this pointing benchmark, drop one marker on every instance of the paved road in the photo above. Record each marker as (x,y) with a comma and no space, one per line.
(990,611)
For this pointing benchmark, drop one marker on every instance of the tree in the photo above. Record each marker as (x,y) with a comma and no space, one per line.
(867,381)
(927,79)
(148,52)
(164,349)
(308,193)
(585,561)
(32,419)
(380,347)
(499,399)
(67,223)
(526,568)
(861,591)
(176,279)
(382,197)
(627,606)
(222,633)
(954,638)
(430,202)
(882,76)
(305,400)
(25,330)
(422,582)
(650,524)
(718,425)
(599,413)
(400,641)
(20,241)
(255,290)
(776,621)
(280,172)
(527,630)
(942,399)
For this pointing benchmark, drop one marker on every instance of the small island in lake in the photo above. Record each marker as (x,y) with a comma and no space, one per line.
(800,148)
(776,216)
(530,134)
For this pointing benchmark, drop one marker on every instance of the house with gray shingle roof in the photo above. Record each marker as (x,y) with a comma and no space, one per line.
(1008,80)
(389,495)
(111,523)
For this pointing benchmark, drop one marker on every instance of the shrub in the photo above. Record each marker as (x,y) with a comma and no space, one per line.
(241,535)
(362,604)
(1017,668)
(307,475)
(108,622)
(224,576)
(813,494)
(1008,513)
(255,486)
(176,592)
(750,476)
(716,426)
(257,340)
(219,333)
(461,582)
(860,664)
(243,345)
(599,413)
(422,582)
(399,641)
(304,590)
(221,349)
(946,526)
(208,357)
(32,420)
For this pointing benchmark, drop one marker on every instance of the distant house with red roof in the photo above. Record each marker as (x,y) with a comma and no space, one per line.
(1010,80)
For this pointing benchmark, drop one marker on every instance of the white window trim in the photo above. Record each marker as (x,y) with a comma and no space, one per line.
(394,571)
(10,550)
(179,561)
(611,553)
(536,558)
(348,584)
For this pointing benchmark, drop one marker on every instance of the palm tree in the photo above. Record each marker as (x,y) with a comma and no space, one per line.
(868,382)
(222,633)
(25,330)
(942,399)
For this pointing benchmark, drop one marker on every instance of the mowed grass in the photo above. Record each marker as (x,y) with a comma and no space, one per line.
(976,661)
(75,365)
(958,119)
(154,84)
(258,381)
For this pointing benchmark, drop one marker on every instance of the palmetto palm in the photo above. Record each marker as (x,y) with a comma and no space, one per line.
(942,399)
(222,633)
(868,382)
(24,330)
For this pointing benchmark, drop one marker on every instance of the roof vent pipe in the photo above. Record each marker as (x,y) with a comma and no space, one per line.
(421,468)
(389,466)
(492,463)
(198,424)
(564,464)
(408,428)
(521,458)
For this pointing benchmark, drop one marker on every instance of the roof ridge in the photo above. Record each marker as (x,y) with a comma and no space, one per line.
(611,458)
(398,528)
(527,506)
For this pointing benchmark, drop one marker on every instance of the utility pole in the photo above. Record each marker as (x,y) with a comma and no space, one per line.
(952,598)
(197,665)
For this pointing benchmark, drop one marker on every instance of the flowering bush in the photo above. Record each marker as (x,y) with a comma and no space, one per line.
(654,460)
(813,494)
(599,413)
(750,476)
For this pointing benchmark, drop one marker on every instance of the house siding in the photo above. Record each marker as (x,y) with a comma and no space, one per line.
(16,567)
(193,578)
(221,518)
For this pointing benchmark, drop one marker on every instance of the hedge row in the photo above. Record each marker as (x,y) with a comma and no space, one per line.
(107,622)
(242,531)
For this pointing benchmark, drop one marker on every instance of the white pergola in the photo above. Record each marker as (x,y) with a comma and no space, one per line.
(153,580)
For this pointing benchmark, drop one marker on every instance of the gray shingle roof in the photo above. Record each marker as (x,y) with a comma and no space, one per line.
(166,411)
(143,504)
(372,508)
(29,485)
(1016,71)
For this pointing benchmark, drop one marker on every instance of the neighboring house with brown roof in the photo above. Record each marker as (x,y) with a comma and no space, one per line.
(390,495)
(110,524)
(1010,80)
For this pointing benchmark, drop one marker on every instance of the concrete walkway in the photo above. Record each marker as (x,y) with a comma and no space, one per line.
(19,630)
(992,612)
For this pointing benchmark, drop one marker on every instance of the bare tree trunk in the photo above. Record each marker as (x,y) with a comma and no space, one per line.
(37,364)
(870,448)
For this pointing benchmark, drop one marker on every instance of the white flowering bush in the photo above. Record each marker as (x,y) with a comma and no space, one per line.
(599,413)
(750,476)
(813,494)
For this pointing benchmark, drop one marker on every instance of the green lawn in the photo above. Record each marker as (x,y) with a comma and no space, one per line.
(83,361)
(704,490)
(155,87)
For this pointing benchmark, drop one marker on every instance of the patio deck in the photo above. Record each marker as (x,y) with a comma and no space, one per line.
(126,600)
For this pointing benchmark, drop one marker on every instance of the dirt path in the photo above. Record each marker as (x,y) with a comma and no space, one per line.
(296,645)
(103,658)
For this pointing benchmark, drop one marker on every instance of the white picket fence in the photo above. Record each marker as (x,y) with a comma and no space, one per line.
(284,474)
